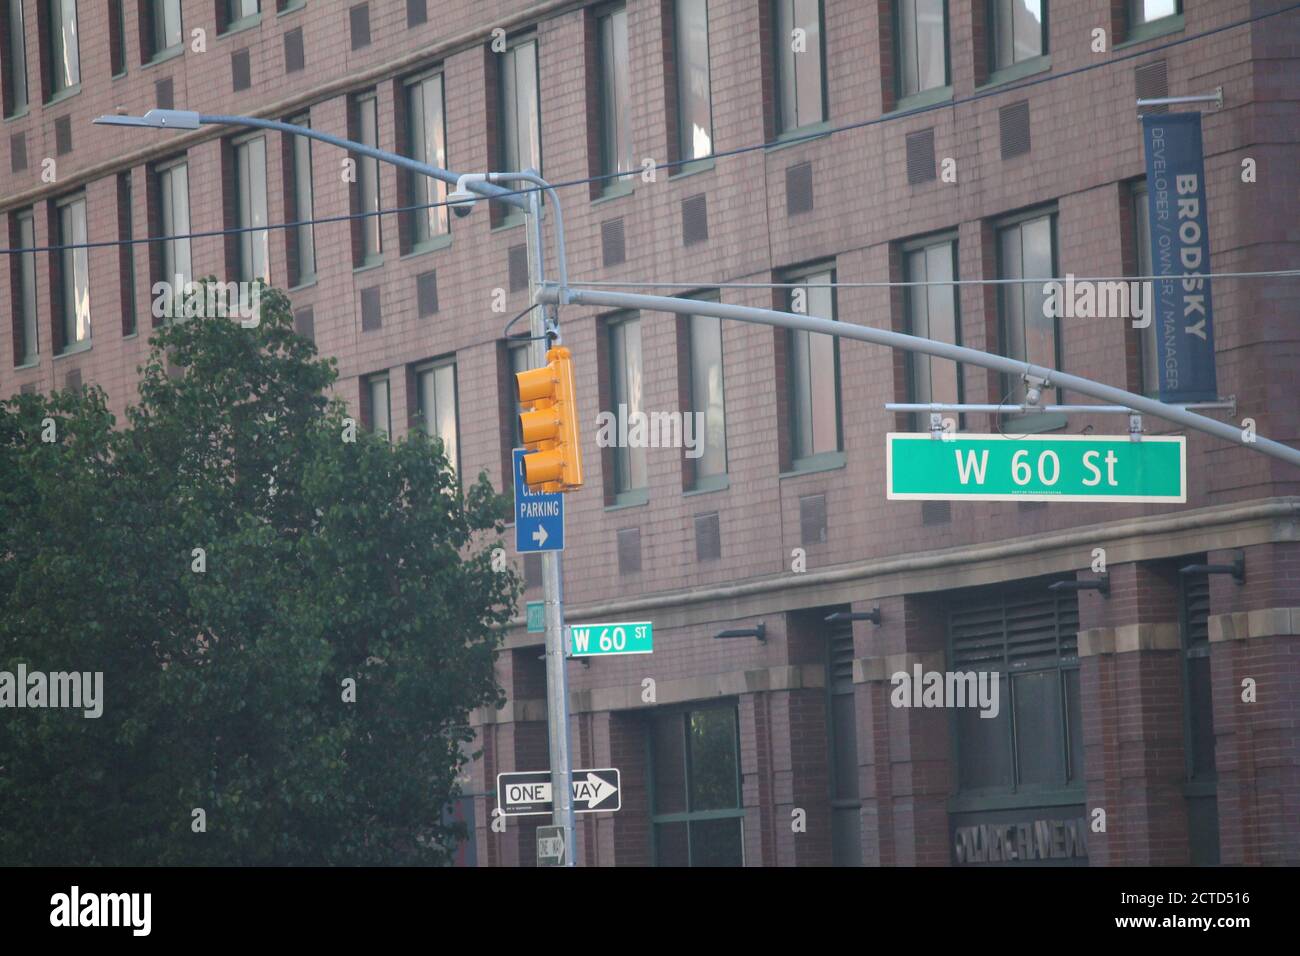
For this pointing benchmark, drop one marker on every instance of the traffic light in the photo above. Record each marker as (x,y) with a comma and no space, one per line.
(550,428)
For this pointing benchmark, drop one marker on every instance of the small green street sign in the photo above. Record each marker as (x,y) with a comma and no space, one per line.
(1036,468)
(589,640)
(536,617)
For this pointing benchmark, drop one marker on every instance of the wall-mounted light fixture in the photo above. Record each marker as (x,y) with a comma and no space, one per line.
(760,632)
(1237,569)
(1100,583)
(840,617)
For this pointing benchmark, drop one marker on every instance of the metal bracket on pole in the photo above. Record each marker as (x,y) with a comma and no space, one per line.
(936,425)
(1216,98)
(1035,390)
(1135,427)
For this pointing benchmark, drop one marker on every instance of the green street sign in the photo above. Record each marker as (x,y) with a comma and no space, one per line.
(590,640)
(1036,468)
(536,617)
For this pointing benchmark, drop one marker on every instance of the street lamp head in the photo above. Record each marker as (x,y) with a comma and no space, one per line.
(156,119)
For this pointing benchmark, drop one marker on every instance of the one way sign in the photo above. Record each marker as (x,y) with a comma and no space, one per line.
(529,793)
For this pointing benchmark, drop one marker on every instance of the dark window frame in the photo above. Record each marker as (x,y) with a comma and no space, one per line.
(814,460)
(780,43)
(921,420)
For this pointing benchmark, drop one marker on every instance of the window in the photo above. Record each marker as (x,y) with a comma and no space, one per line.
(74,273)
(426,126)
(615,96)
(164,26)
(1019,29)
(173,197)
(250,177)
(117,38)
(932,314)
(1026,250)
(1201,787)
(801,75)
(1141,12)
(15,59)
(367,243)
(436,392)
(520,361)
(813,365)
(519,113)
(695,810)
(378,412)
(62,48)
(846,804)
(626,402)
(921,27)
(694,91)
(1148,338)
(302,238)
(22,234)
(1029,644)
(126,252)
(238,13)
(707,399)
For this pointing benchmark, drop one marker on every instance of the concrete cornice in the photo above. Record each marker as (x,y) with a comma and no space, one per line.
(1266,622)
(1127,638)
(628,697)
(1132,539)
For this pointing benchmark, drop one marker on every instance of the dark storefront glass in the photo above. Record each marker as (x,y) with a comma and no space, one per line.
(695,793)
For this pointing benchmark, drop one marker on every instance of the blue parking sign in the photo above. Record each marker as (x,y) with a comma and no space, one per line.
(539,515)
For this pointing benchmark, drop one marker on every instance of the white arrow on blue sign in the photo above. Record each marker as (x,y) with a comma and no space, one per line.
(539,515)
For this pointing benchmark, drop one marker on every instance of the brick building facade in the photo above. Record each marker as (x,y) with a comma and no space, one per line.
(786,750)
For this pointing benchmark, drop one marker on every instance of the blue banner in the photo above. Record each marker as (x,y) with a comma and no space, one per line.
(1180,248)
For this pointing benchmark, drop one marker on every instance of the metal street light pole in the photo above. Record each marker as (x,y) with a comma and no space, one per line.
(544,323)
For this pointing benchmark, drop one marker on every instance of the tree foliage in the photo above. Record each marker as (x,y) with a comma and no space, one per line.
(223,689)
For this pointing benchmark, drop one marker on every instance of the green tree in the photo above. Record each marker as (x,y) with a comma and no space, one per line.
(326,561)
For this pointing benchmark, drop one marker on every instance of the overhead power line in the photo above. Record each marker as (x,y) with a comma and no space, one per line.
(1014,86)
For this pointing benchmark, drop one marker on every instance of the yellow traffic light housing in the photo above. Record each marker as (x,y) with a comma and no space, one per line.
(550,427)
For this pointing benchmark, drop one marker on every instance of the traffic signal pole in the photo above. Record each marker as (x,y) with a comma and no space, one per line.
(543,319)
(1043,377)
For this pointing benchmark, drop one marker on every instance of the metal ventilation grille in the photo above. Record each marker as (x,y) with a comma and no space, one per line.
(1030,505)
(63,135)
(294,60)
(936,512)
(28,389)
(708,537)
(812,519)
(613,247)
(1015,631)
(426,293)
(304,323)
(840,653)
(416,13)
(798,189)
(1196,609)
(162,94)
(517,263)
(695,220)
(359,21)
(1152,82)
(370,315)
(629,551)
(17,152)
(920,156)
(73,380)
(240,71)
(1013,121)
